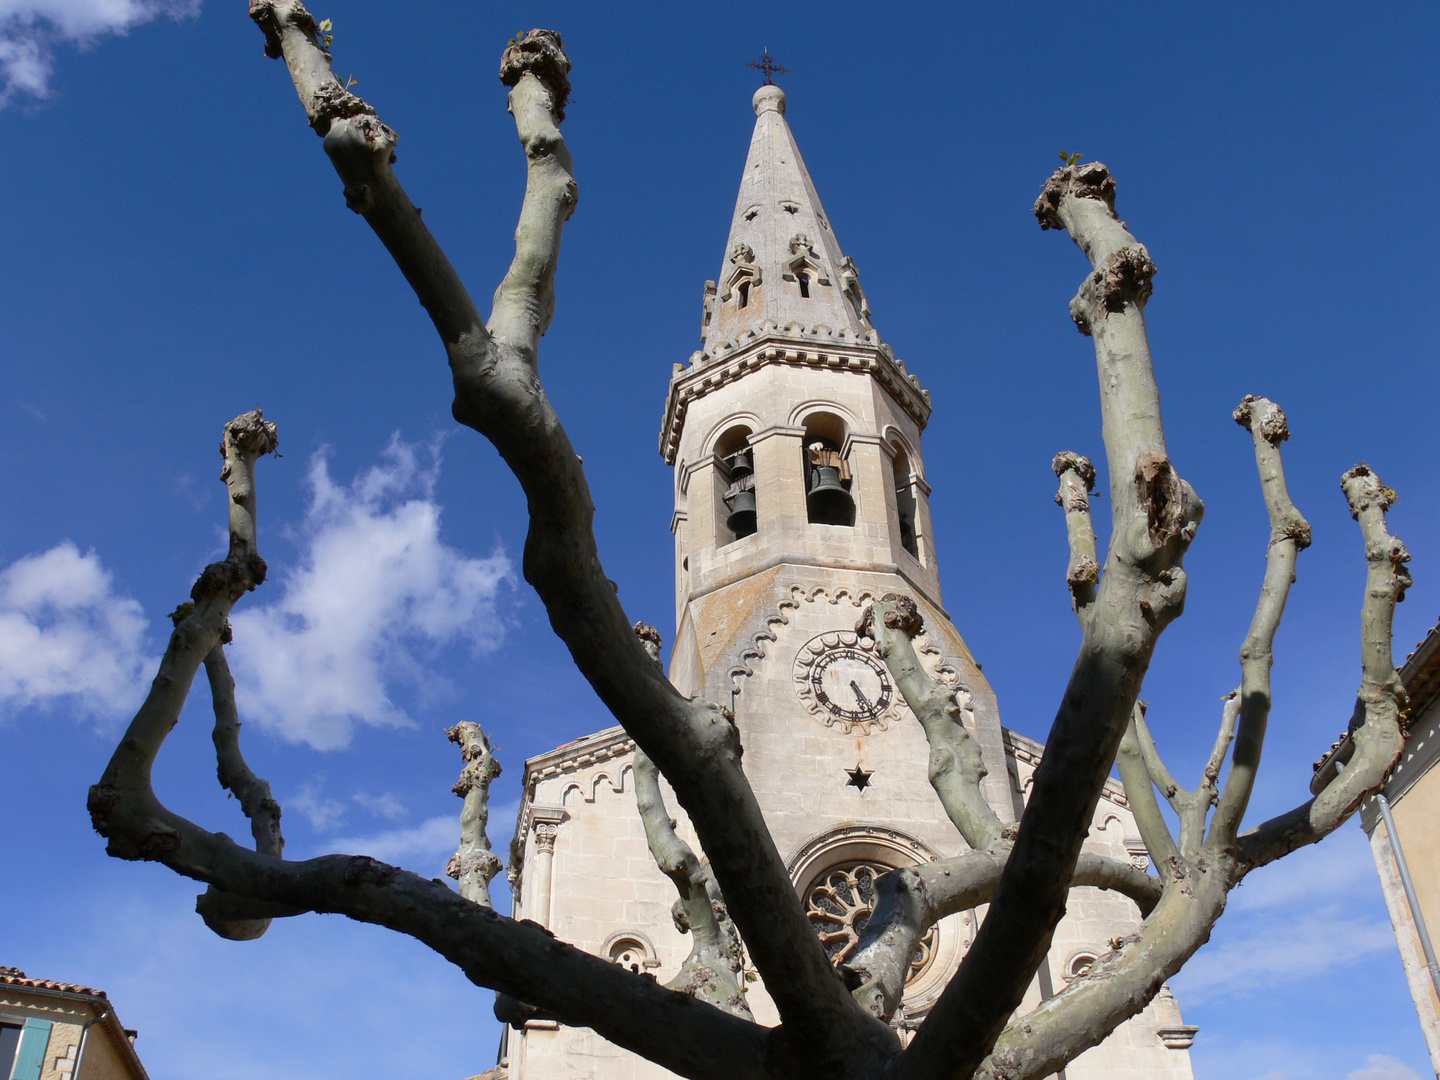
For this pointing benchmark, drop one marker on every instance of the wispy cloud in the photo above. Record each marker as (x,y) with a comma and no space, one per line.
(428,844)
(374,593)
(67,638)
(1383,1067)
(1302,919)
(322,813)
(384,805)
(30,30)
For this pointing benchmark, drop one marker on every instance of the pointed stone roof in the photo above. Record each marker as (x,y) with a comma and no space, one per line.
(781,245)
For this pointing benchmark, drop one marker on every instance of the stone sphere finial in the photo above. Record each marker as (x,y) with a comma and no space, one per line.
(769,98)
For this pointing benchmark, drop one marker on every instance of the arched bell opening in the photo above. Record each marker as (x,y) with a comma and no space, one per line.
(904,498)
(828,500)
(735,481)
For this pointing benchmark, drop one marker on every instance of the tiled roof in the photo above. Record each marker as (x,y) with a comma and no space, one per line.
(10,976)
(1421,672)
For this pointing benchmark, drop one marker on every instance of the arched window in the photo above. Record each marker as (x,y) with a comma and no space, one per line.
(631,953)
(1078,964)
(735,486)
(905,499)
(828,500)
(839,904)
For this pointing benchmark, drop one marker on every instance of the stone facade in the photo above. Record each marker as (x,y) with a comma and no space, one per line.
(57,1023)
(792,377)
(1413,791)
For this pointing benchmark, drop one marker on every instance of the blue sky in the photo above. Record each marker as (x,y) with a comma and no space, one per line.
(174,249)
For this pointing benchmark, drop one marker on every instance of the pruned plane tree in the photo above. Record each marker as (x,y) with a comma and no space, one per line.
(745,915)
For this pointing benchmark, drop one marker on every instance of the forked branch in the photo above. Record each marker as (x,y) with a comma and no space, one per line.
(1376,734)
(222,912)
(498,393)
(515,958)
(1154,517)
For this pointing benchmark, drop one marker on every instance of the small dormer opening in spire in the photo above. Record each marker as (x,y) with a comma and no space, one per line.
(743,278)
(804,280)
(735,486)
(905,498)
(828,500)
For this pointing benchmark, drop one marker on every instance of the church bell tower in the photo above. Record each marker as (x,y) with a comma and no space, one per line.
(800,495)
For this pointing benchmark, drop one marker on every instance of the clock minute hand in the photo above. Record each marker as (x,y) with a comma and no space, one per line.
(860,698)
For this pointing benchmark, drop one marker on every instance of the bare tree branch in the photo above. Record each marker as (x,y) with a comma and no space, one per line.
(1375,731)
(519,959)
(362,150)
(1140,791)
(220,910)
(498,394)
(1077,480)
(1210,778)
(1154,518)
(537,68)
(1120,983)
(956,768)
(910,901)
(474,863)
(1289,535)
(714,970)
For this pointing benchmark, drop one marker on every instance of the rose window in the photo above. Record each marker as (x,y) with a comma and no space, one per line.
(839,906)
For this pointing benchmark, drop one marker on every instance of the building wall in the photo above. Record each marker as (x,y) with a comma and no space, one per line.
(68,1015)
(1414,793)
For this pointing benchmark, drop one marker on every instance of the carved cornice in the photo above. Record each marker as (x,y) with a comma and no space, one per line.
(1025,749)
(798,346)
(574,756)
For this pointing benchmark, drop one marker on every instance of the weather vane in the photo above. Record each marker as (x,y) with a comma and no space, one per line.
(767,64)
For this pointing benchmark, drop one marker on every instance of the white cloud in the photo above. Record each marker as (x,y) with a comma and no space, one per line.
(434,840)
(384,805)
(67,638)
(1339,867)
(322,813)
(374,593)
(1295,945)
(1383,1067)
(30,30)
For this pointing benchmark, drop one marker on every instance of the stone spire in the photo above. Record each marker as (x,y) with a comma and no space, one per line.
(782,262)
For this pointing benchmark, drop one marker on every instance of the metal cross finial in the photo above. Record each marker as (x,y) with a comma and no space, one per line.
(767,64)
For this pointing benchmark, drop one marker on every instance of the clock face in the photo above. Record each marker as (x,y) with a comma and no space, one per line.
(844,683)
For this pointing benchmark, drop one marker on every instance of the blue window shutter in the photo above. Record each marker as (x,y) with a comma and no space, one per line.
(31,1054)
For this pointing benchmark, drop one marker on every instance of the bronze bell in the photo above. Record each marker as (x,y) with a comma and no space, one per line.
(741,521)
(828,502)
(741,465)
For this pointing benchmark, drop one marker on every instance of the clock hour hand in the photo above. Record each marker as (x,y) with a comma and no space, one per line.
(860,698)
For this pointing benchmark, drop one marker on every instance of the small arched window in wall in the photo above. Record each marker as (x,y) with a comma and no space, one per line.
(905,499)
(631,953)
(1078,964)
(735,486)
(828,500)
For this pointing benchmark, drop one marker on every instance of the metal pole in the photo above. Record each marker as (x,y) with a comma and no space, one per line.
(84,1039)
(1410,897)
